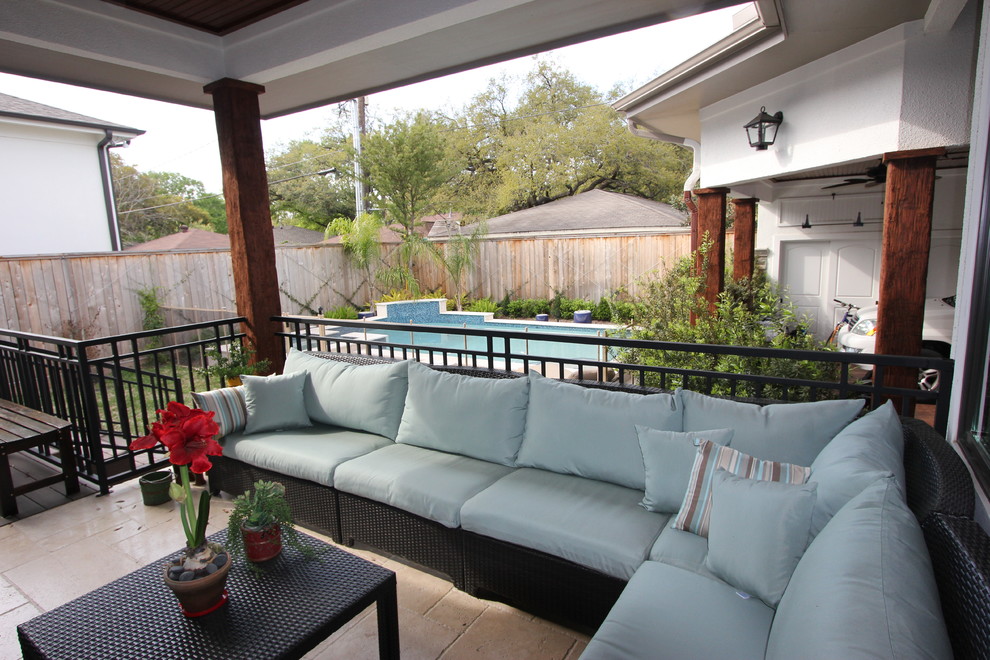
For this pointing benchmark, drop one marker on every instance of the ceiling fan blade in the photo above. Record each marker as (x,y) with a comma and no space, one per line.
(847,182)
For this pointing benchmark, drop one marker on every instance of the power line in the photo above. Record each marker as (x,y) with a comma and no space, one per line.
(191,201)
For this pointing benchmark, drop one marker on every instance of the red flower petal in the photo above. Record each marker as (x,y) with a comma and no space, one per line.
(201,465)
(144,442)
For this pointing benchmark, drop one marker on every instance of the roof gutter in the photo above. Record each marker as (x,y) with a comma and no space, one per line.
(106,176)
(692,181)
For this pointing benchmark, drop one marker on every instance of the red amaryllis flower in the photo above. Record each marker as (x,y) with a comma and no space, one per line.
(188,433)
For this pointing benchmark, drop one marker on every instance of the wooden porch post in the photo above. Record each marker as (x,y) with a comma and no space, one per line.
(711,227)
(245,189)
(907,230)
(744,244)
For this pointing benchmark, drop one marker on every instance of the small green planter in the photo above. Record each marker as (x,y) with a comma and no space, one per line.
(154,487)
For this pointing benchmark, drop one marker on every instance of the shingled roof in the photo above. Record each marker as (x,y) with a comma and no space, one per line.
(592,212)
(12,106)
(189,238)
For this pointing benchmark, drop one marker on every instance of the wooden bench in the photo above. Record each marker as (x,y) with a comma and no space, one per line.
(23,428)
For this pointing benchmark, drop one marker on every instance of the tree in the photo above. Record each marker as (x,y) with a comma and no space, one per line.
(560,139)
(460,254)
(154,204)
(406,163)
(308,185)
(360,238)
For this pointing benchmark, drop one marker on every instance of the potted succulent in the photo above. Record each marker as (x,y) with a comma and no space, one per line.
(199,575)
(259,522)
(229,367)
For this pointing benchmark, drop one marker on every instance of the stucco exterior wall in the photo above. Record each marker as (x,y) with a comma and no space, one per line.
(873,97)
(51,192)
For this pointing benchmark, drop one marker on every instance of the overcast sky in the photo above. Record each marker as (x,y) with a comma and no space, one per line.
(181,139)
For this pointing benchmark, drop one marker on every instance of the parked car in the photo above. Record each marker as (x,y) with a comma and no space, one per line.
(936,336)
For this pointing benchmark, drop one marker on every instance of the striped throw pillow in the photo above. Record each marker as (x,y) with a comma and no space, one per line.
(228,405)
(697,505)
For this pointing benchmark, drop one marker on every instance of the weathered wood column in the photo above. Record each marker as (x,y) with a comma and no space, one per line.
(744,243)
(245,189)
(711,228)
(907,232)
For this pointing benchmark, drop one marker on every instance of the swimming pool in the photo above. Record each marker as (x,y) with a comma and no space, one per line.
(434,312)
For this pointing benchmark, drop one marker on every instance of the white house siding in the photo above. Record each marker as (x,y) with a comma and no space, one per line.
(51,192)
(873,97)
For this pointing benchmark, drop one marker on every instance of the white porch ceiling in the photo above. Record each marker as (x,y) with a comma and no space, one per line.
(307,55)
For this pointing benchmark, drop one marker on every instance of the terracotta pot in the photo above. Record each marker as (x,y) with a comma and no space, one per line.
(234,381)
(262,544)
(202,595)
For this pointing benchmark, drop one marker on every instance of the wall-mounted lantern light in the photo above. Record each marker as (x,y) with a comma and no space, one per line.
(762,131)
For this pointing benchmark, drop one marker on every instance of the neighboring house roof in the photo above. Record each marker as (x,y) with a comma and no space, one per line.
(199,239)
(592,212)
(187,239)
(291,235)
(12,106)
(388,236)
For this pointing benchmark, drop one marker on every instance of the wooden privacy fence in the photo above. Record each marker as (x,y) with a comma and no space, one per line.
(87,296)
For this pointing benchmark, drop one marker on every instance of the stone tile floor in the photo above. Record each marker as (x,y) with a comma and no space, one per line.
(48,557)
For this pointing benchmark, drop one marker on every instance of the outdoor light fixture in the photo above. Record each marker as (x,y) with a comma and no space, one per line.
(762,131)
(807,220)
(859,219)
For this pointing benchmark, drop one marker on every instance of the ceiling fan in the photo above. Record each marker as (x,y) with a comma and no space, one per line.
(875,176)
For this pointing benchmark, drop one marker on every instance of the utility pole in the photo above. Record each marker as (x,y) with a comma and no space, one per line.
(358,131)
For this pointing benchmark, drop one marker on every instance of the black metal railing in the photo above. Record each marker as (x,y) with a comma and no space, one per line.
(636,362)
(110,388)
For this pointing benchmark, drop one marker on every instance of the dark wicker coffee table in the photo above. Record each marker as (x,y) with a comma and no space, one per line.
(288,611)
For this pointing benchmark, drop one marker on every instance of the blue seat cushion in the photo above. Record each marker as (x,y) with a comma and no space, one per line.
(312,453)
(592,523)
(668,612)
(429,483)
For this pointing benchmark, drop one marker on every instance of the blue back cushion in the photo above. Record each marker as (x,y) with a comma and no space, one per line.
(481,418)
(591,432)
(783,432)
(367,398)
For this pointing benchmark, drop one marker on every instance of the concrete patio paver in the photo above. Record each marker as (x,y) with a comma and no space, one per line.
(51,557)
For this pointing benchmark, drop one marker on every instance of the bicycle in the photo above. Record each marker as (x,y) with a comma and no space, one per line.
(849,319)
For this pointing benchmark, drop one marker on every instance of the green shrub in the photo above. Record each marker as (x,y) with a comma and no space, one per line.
(555,305)
(527,308)
(602,311)
(503,305)
(570,305)
(748,313)
(483,305)
(345,312)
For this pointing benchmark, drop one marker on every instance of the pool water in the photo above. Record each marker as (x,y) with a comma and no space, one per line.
(433,312)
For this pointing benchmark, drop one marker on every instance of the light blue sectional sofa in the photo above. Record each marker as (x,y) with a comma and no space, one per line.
(688,526)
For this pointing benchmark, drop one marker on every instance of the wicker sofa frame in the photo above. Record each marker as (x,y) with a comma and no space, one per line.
(939,487)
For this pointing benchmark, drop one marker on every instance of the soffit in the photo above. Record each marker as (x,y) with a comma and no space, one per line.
(305,54)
